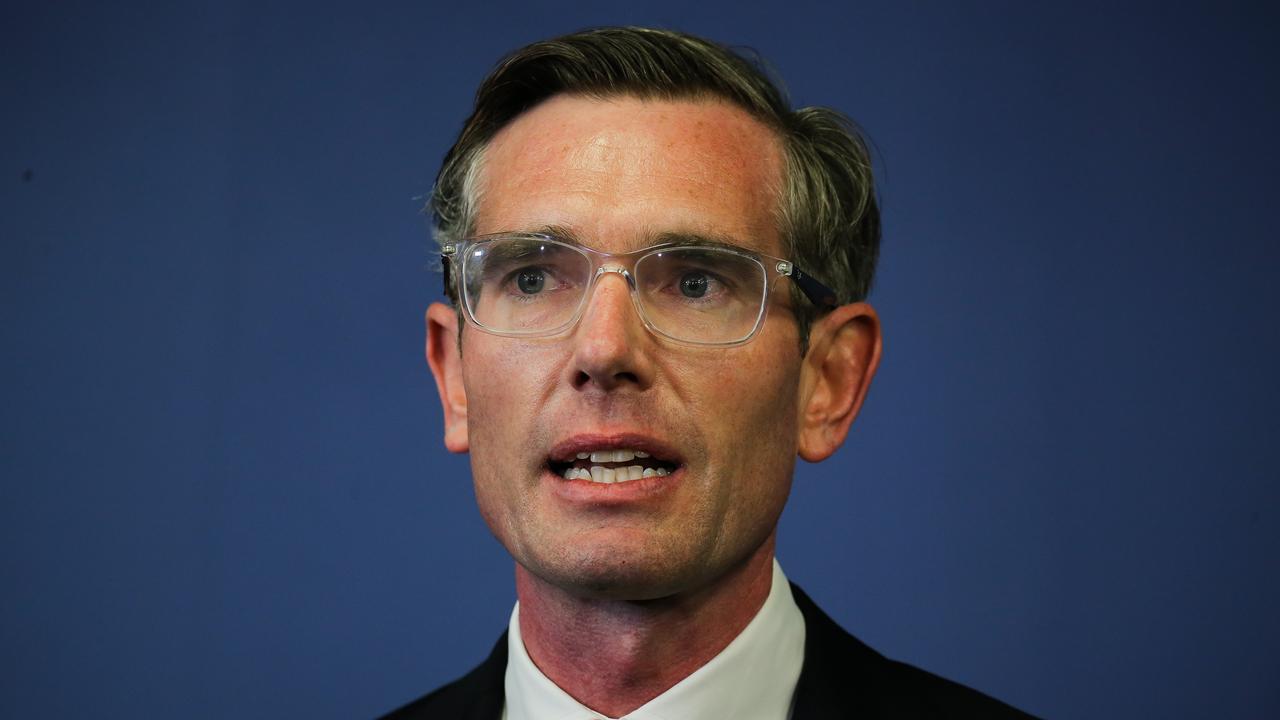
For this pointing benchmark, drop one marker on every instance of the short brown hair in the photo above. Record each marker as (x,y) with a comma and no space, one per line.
(828,216)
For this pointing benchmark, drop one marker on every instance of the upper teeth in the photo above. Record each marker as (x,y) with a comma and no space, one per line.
(612,455)
(597,473)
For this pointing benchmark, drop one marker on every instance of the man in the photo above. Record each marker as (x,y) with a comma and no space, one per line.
(657,272)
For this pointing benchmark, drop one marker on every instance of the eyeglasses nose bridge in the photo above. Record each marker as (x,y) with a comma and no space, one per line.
(603,270)
(626,274)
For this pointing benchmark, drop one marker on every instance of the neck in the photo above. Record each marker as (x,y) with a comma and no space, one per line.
(615,655)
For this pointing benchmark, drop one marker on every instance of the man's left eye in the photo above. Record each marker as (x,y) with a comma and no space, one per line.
(531,281)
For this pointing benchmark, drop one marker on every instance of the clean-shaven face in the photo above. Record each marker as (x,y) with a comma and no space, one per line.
(714,427)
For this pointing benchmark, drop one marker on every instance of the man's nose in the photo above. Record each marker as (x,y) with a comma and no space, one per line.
(611,344)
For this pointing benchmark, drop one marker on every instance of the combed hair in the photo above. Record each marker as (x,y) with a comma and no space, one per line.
(827,212)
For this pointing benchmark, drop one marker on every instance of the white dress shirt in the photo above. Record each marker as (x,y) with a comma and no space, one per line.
(753,678)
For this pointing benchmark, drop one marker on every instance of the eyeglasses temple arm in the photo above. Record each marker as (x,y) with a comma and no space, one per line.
(445,253)
(818,293)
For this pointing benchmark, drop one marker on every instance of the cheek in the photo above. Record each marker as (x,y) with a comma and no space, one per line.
(498,422)
(507,384)
(502,380)
(751,402)
(492,390)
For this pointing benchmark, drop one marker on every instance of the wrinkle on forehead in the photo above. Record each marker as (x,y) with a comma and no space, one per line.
(610,152)
(642,146)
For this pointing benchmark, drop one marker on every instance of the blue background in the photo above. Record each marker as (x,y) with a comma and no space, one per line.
(223,488)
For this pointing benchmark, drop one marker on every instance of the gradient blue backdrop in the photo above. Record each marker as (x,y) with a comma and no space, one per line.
(224,492)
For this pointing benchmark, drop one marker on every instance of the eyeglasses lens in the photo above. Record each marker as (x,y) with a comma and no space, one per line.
(534,286)
(701,294)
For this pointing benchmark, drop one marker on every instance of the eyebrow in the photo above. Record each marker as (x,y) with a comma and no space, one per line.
(726,242)
(560,232)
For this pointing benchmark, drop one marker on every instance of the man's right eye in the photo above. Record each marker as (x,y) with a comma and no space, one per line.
(694,284)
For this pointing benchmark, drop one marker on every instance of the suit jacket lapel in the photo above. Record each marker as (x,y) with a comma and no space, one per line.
(840,675)
(485,687)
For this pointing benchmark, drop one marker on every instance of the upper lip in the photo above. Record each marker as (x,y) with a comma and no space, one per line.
(567,450)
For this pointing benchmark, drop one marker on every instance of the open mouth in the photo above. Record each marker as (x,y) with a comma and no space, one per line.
(612,465)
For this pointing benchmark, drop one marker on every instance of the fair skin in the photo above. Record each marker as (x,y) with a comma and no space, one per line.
(625,589)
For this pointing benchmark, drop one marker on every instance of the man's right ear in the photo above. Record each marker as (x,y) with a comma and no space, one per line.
(444,356)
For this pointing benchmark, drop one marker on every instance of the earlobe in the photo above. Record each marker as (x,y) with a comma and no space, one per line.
(444,357)
(844,352)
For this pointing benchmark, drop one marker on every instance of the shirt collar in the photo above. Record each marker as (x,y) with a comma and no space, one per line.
(754,676)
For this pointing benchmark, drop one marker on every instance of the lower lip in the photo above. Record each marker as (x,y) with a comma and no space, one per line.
(618,493)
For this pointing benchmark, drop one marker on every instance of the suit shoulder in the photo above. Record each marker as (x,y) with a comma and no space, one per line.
(841,674)
(919,693)
(478,695)
(446,701)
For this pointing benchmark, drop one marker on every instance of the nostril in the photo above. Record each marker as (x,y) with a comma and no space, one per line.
(607,380)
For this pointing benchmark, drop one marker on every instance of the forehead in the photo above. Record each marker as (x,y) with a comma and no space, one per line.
(621,171)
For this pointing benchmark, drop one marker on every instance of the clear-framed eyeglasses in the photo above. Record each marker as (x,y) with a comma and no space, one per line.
(535,285)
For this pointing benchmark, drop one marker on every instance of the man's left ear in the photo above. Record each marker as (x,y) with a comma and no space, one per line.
(844,352)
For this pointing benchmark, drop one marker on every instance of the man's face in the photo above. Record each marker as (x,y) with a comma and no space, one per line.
(618,174)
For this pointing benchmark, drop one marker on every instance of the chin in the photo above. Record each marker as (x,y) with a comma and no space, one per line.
(616,573)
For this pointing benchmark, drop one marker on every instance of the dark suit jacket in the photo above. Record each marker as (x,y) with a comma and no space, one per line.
(841,678)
